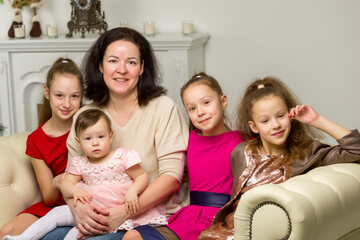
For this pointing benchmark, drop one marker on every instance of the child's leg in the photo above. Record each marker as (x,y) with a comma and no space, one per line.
(132,235)
(18,225)
(72,234)
(57,217)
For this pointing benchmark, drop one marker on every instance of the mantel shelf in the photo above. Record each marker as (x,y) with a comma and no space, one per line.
(164,41)
(24,64)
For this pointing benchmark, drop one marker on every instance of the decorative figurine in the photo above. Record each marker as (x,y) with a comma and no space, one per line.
(17,20)
(86,15)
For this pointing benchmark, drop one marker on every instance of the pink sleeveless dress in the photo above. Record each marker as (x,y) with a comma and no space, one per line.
(209,167)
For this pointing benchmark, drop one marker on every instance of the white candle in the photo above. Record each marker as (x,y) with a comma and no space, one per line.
(19,31)
(125,24)
(149,28)
(52,30)
(187,27)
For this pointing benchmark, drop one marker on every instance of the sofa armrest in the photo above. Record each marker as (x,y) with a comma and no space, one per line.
(321,204)
(18,184)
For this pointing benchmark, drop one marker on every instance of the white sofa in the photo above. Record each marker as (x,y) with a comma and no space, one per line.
(18,185)
(322,204)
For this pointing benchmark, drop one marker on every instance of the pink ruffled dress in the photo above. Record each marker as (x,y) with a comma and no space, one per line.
(108,183)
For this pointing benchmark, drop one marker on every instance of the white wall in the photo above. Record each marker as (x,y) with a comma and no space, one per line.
(312,45)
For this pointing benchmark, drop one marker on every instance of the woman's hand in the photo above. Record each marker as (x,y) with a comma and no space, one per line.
(117,217)
(91,219)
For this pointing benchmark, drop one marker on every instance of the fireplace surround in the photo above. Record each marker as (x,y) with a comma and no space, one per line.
(25,62)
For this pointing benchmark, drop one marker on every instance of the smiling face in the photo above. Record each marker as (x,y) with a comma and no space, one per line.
(271,122)
(205,108)
(64,96)
(121,68)
(95,141)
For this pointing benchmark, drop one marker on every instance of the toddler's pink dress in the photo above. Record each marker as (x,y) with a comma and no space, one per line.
(108,183)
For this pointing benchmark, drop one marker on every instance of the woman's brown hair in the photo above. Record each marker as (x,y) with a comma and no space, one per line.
(149,82)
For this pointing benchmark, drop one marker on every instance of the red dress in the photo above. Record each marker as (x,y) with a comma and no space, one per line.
(54,152)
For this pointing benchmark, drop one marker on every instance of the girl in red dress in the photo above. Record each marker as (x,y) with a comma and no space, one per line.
(46,146)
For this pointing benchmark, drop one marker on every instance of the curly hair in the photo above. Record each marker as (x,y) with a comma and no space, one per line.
(300,136)
(148,85)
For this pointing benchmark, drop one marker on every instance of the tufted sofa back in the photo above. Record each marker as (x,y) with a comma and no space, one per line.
(18,185)
(322,204)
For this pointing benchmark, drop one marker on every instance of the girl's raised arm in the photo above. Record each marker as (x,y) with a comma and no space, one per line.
(306,114)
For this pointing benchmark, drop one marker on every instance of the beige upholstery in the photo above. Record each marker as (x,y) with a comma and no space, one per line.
(18,185)
(323,204)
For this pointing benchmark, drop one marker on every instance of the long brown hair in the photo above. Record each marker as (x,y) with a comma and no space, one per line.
(60,66)
(203,78)
(149,82)
(301,135)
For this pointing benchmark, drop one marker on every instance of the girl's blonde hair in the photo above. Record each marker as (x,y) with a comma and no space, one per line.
(300,136)
(203,78)
(60,66)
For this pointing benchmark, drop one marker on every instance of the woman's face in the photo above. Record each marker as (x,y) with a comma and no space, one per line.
(121,68)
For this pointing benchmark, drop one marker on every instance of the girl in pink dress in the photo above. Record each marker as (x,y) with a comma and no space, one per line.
(208,157)
(107,178)
(280,145)
(46,146)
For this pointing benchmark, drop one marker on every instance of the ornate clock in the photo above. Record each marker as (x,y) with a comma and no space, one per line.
(86,16)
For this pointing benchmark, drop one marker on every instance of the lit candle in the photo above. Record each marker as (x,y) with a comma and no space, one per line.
(52,30)
(149,28)
(187,27)
(19,31)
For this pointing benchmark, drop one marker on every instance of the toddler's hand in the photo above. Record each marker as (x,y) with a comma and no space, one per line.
(82,196)
(131,202)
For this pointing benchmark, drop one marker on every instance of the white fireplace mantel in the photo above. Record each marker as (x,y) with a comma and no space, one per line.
(25,62)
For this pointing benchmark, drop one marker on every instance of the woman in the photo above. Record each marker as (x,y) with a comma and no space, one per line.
(122,80)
